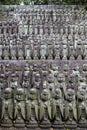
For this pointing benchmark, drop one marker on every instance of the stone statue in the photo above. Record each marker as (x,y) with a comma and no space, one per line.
(37,80)
(13,52)
(0,51)
(28,52)
(5,52)
(19,108)
(51,85)
(13,81)
(79,49)
(57,49)
(71,51)
(57,109)
(35,47)
(44,71)
(32,109)
(81,108)
(45,109)
(61,83)
(81,81)
(70,111)
(20,52)
(7,108)
(43,49)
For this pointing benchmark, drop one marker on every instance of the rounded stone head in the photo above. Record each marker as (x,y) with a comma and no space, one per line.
(81,94)
(61,78)
(70,95)
(45,95)
(58,93)
(33,94)
(37,77)
(8,93)
(20,94)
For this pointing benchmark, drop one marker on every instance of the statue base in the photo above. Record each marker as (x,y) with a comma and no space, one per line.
(6,125)
(58,125)
(71,126)
(45,124)
(82,125)
(32,124)
(19,124)
(6,128)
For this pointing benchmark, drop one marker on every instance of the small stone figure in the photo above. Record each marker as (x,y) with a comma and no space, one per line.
(13,81)
(32,109)
(26,80)
(61,83)
(58,110)
(43,49)
(37,80)
(7,108)
(27,52)
(81,81)
(51,85)
(45,109)
(13,52)
(19,108)
(70,109)
(20,52)
(0,52)
(55,71)
(81,108)
(79,49)
(57,49)
(71,51)
(65,51)
(5,52)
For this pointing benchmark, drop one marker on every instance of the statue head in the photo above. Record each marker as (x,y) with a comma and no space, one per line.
(45,95)
(37,77)
(84,68)
(66,68)
(82,79)
(35,67)
(27,67)
(70,95)
(50,78)
(26,76)
(44,84)
(20,94)
(8,93)
(61,78)
(81,94)
(58,93)
(33,94)
(83,86)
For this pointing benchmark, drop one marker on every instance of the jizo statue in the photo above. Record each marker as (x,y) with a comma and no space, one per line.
(7,108)
(57,108)
(81,107)
(19,108)
(70,108)
(32,109)
(45,109)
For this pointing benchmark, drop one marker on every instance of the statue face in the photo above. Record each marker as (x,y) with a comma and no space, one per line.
(50,78)
(37,77)
(82,79)
(61,78)
(58,94)
(20,95)
(81,94)
(70,95)
(8,93)
(45,95)
(33,94)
